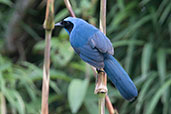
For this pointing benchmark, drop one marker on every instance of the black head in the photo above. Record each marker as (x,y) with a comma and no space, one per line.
(66,24)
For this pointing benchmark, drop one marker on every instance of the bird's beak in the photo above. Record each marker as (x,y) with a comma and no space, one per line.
(59,24)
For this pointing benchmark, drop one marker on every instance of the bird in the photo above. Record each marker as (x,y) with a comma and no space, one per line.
(95,48)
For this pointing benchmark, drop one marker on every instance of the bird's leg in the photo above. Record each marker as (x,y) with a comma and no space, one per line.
(101,80)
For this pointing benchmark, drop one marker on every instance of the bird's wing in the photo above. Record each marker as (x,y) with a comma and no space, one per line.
(90,55)
(101,42)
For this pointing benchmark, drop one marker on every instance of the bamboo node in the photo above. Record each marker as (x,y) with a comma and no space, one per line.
(101,80)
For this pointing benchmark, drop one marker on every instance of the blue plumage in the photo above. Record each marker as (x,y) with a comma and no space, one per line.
(96,49)
(120,78)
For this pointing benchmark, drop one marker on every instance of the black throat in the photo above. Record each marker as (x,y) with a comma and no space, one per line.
(68,26)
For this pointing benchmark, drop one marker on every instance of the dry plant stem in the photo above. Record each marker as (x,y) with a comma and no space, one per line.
(68,5)
(101,90)
(109,106)
(3,104)
(46,74)
(103,16)
(48,26)
(101,83)
(101,102)
(102,77)
(103,29)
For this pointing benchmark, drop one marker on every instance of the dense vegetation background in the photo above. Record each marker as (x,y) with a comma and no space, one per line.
(140,31)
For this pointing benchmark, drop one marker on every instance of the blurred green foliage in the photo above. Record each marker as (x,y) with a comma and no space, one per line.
(140,31)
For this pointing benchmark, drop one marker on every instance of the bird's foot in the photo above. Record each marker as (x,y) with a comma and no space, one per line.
(99,70)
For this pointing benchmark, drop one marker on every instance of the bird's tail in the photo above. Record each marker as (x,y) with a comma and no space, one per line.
(120,78)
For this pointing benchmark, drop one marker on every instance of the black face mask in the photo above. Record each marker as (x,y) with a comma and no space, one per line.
(66,24)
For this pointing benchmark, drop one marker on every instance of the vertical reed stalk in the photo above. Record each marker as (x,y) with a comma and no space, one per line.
(48,26)
(102,76)
(68,5)
(109,106)
(103,16)
(3,104)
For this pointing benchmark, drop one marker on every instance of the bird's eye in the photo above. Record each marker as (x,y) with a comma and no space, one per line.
(65,23)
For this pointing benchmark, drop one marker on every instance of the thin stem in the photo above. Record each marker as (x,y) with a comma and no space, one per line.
(46,74)
(101,90)
(109,106)
(68,5)
(103,29)
(48,26)
(101,103)
(103,77)
(3,104)
(103,16)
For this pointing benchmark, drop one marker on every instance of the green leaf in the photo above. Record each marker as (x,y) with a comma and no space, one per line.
(6,2)
(15,99)
(91,106)
(130,53)
(143,2)
(157,96)
(143,92)
(127,42)
(57,74)
(61,51)
(91,100)
(163,4)
(61,15)
(121,4)
(165,13)
(54,87)
(169,26)
(161,64)
(133,27)
(146,56)
(30,31)
(76,93)
(81,66)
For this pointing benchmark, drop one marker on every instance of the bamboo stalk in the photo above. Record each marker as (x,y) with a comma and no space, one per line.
(68,5)
(101,103)
(109,106)
(48,26)
(103,16)
(102,76)
(3,104)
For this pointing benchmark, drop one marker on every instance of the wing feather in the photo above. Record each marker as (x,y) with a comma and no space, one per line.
(93,51)
(101,42)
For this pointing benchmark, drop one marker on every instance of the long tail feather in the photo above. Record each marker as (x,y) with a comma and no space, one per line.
(120,78)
